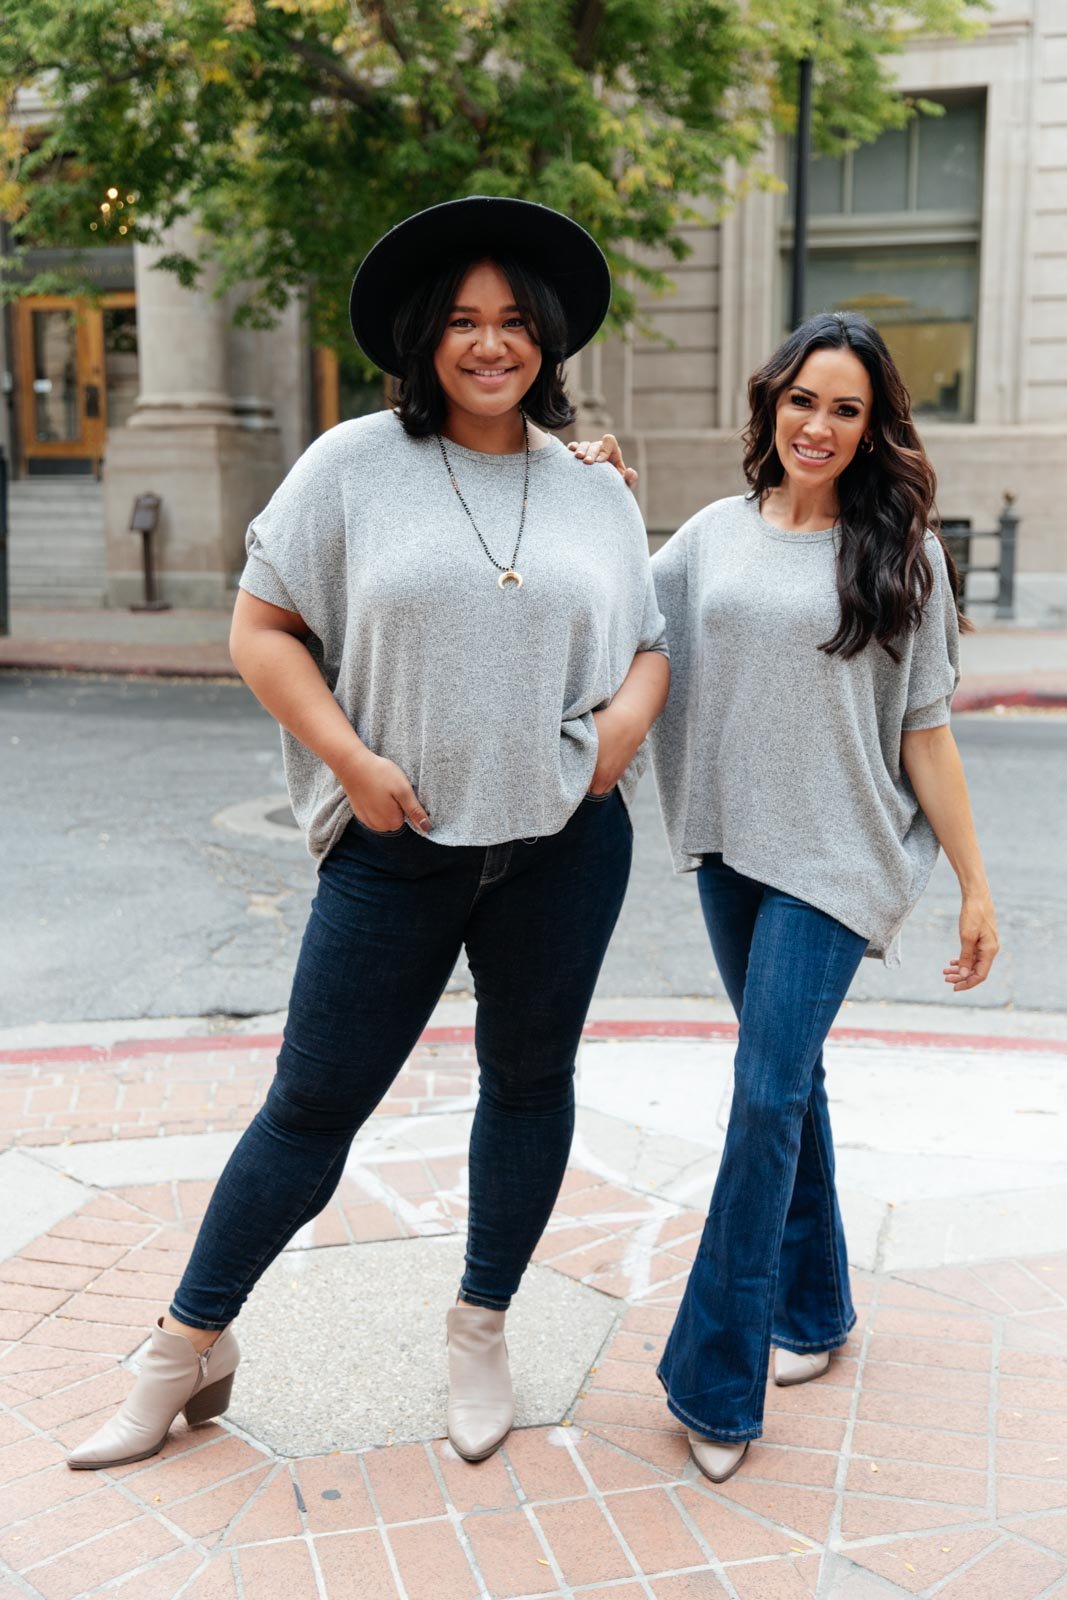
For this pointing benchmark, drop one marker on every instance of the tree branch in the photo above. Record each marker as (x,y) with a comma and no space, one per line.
(475,114)
(588,17)
(379,9)
(347,85)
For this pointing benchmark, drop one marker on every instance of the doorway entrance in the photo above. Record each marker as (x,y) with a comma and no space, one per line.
(74,360)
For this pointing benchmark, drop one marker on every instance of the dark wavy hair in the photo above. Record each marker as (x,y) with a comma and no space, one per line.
(420,325)
(885,495)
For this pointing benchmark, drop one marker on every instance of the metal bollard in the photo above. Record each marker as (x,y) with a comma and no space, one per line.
(1009,527)
(143,519)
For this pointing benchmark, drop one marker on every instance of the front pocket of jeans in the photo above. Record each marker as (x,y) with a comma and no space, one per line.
(380,833)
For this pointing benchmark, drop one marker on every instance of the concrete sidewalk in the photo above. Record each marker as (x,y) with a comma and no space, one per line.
(932,1459)
(167,644)
(1006,665)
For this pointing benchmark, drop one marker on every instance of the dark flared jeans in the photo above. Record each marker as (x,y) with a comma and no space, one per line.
(772,1265)
(390,916)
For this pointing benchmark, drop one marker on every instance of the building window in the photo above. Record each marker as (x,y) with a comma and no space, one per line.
(894,233)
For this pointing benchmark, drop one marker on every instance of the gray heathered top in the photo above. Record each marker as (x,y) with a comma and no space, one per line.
(783,758)
(483,697)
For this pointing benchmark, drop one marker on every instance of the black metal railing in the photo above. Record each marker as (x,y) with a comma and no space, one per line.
(958,535)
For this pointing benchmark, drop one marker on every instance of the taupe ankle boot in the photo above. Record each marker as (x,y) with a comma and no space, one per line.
(790,1368)
(172,1378)
(481,1401)
(716,1461)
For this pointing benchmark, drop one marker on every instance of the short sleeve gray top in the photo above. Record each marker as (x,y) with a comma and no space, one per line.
(483,696)
(782,758)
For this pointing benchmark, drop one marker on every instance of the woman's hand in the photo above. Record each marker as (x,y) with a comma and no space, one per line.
(605,449)
(978,943)
(380,795)
(932,762)
(619,737)
(622,725)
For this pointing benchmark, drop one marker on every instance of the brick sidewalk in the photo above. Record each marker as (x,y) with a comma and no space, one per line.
(932,1459)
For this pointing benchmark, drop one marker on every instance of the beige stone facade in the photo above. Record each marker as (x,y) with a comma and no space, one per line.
(679,409)
(222,413)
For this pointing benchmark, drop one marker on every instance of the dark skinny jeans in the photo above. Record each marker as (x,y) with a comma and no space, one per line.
(390,916)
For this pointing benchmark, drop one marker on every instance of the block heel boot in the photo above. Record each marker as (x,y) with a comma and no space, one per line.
(716,1461)
(791,1368)
(172,1378)
(481,1401)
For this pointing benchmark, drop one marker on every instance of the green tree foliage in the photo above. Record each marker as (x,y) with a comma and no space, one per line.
(297,131)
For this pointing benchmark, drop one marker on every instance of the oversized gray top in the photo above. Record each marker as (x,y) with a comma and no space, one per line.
(782,758)
(482,696)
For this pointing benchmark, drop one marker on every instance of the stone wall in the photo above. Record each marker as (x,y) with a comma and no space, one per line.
(679,410)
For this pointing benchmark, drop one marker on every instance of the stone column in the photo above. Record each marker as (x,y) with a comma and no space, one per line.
(202,436)
(250,385)
(183,339)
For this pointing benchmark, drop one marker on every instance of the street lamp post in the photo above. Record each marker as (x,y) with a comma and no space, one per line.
(800,193)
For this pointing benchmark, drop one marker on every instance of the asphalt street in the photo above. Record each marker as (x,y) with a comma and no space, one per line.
(148,870)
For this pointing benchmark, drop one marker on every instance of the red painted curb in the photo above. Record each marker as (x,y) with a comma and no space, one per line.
(913,1040)
(908,1040)
(988,699)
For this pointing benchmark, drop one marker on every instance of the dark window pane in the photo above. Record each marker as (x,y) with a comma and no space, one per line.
(923,299)
(120,363)
(826,181)
(880,173)
(55,377)
(950,160)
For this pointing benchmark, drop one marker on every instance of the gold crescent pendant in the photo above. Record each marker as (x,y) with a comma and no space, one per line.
(509,577)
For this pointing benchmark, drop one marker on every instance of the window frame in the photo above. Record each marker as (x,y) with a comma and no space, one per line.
(846,229)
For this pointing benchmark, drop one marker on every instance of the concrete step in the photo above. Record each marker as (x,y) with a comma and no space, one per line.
(56,542)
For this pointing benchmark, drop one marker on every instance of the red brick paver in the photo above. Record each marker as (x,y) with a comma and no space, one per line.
(931,1458)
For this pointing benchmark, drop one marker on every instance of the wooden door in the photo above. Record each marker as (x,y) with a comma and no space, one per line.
(61,397)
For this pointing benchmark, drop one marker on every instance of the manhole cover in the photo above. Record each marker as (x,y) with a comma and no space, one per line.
(268,817)
(283,817)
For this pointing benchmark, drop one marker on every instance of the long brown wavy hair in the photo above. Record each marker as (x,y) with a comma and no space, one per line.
(885,495)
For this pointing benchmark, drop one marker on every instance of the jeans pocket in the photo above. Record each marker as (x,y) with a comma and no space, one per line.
(380,833)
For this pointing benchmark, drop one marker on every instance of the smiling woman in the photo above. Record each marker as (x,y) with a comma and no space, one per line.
(477,339)
(807,775)
(460,752)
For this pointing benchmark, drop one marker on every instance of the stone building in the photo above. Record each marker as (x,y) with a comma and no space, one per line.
(951,235)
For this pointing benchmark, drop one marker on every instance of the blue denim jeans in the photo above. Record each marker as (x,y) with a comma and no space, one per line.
(772,1265)
(390,916)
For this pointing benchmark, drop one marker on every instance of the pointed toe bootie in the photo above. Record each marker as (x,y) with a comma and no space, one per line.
(716,1461)
(172,1378)
(481,1401)
(790,1368)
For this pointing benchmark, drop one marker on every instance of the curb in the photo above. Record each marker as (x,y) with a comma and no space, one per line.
(990,699)
(606,1031)
(27,660)
(171,666)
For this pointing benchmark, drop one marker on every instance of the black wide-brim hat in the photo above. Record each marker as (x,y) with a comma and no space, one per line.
(551,244)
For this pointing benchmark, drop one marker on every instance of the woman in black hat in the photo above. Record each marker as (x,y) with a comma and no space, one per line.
(456,628)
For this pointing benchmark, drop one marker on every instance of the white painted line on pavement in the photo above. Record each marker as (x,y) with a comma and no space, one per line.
(115,1163)
(35,1198)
